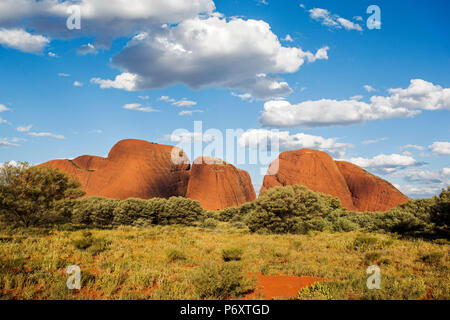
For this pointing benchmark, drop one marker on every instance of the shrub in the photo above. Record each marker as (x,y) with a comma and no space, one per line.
(290,209)
(29,194)
(232,253)
(221,281)
(317,291)
(128,211)
(440,215)
(228,214)
(363,242)
(180,210)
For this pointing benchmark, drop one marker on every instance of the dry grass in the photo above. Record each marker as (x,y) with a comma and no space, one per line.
(167,263)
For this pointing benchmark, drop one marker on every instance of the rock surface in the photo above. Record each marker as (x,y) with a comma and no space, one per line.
(356,188)
(369,192)
(133,168)
(217,184)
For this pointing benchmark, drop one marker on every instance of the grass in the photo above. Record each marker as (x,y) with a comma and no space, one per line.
(174,262)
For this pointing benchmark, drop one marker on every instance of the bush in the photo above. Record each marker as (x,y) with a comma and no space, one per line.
(291,209)
(317,291)
(228,214)
(29,194)
(180,210)
(440,214)
(221,281)
(232,253)
(130,210)
(433,259)
(363,242)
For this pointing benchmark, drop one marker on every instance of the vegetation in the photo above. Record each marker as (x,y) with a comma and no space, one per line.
(174,249)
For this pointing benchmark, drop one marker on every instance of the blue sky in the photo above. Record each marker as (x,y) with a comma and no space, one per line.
(310,85)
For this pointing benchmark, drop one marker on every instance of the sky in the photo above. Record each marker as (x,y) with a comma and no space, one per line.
(366,88)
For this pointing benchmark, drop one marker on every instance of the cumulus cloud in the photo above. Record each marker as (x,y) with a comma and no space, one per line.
(77,84)
(423,182)
(287,38)
(332,20)
(440,148)
(385,163)
(20,39)
(126,81)
(283,140)
(328,112)
(412,146)
(105,19)
(138,107)
(212,52)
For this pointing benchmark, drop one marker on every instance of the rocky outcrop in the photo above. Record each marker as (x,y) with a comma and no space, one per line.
(133,168)
(140,169)
(356,188)
(369,192)
(217,184)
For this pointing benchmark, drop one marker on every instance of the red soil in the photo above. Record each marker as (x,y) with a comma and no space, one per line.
(356,188)
(217,184)
(270,287)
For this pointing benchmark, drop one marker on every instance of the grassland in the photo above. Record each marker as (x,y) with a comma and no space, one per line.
(219,262)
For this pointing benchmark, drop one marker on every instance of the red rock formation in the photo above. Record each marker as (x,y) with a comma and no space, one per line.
(369,192)
(356,188)
(312,168)
(133,168)
(217,184)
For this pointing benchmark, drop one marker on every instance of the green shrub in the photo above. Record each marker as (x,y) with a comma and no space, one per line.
(363,242)
(181,210)
(221,281)
(344,225)
(372,257)
(128,211)
(291,209)
(209,223)
(29,194)
(440,214)
(228,214)
(232,254)
(83,243)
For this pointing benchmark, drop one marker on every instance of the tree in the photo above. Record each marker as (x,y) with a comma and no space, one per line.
(28,195)
(441,213)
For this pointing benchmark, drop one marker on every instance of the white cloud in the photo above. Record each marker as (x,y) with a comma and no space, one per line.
(243,96)
(356,97)
(385,163)
(423,182)
(3,120)
(77,84)
(4,143)
(105,19)
(63,75)
(46,134)
(126,81)
(189,112)
(139,107)
(53,55)
(327,112)
(358,18)
(21,40)
(332,20)
(283,140)
(144,97)
(369,88)
(373,141)
(178,103)
(212,52)
(3,108)
(440,148)
(87,49)
(24,128)
(412,146)
(12,162)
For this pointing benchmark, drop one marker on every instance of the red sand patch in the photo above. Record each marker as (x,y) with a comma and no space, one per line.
(270,287)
